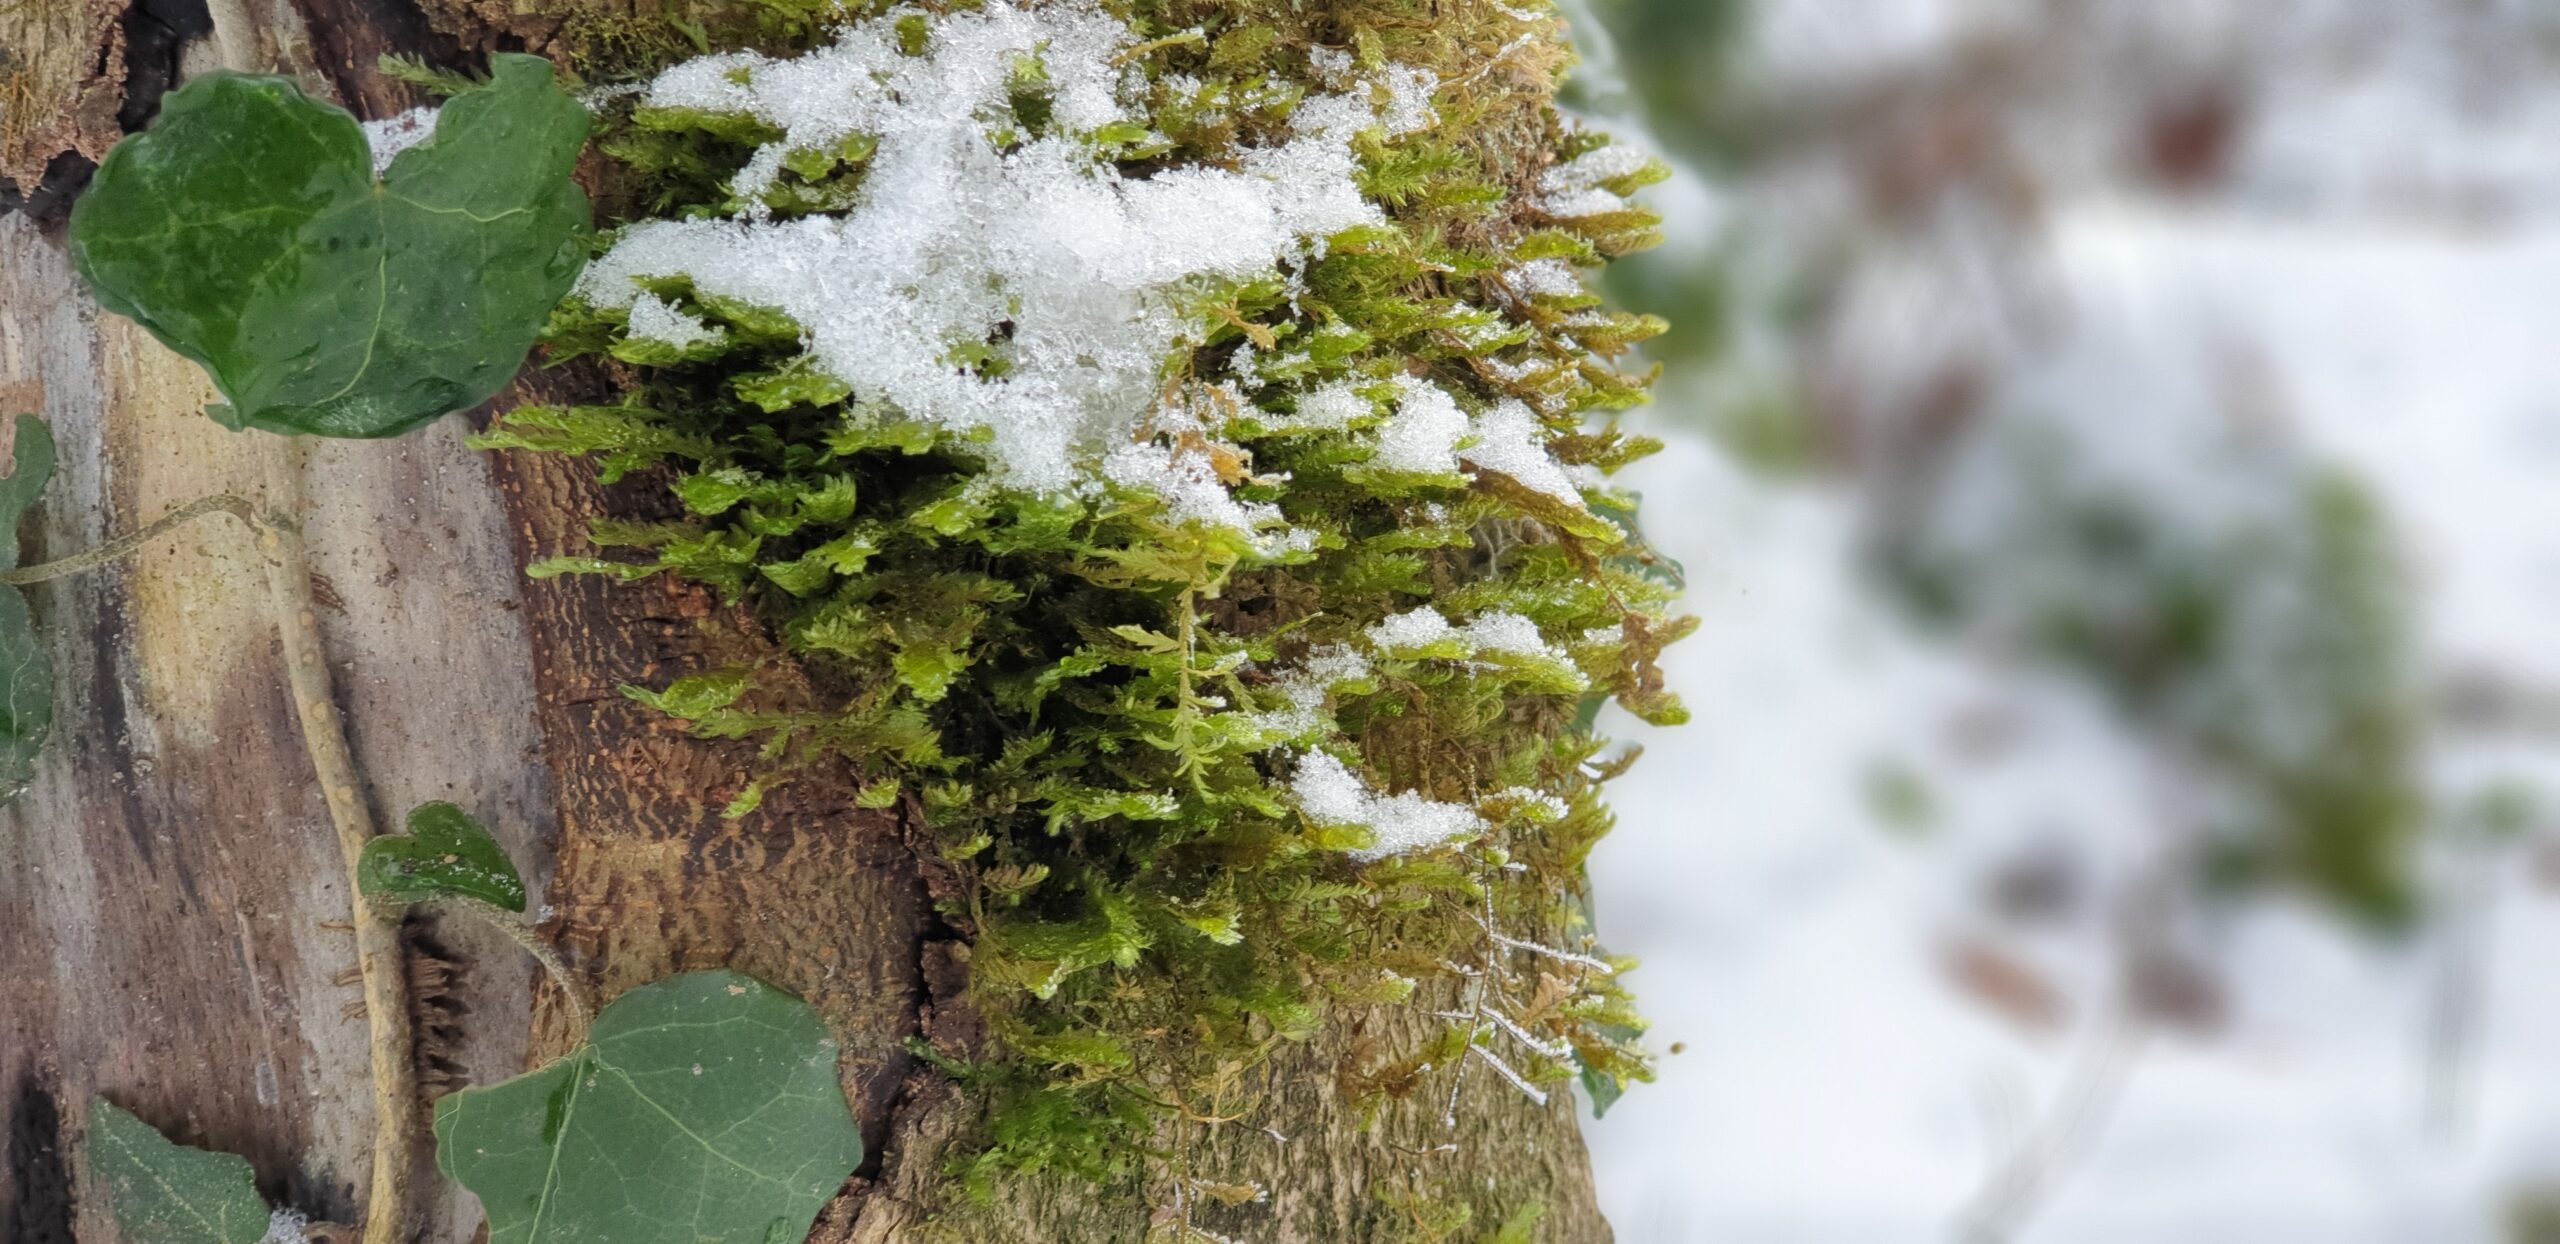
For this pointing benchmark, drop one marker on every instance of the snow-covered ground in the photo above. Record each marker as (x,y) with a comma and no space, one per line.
(1834,1081)
(1833,1085)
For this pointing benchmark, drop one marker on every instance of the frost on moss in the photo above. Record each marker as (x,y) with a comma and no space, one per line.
(1178,434)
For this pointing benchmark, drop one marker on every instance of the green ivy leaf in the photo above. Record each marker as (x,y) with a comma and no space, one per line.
(1603,1089)
(26,672)
(246,231)
(704,1109)
(164,1193)
(445,854)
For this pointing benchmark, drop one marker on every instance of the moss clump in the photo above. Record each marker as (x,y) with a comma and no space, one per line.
(1098,701)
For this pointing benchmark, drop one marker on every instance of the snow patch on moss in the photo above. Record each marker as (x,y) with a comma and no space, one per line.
(653,319)
(1423,435)
(1511,440)
(982,233)
(1330,794)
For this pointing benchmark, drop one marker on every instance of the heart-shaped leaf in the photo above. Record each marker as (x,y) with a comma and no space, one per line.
(26,672)
(704,1109)
(164,1193)
(246,231)
(445,854)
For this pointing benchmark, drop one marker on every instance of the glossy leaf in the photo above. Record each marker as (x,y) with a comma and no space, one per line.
(26,672)
(246,230)
(445,854)
(164,1193)
(704,1109)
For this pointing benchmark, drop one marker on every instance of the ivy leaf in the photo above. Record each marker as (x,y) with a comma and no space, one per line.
(445,854)
(26,672)
(164,1193)
(704,1109)
(1603,1089)
(246,231)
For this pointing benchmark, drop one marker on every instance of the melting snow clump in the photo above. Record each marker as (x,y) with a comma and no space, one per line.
(1329,793)
(976,235)
(653,320)
(1509,439)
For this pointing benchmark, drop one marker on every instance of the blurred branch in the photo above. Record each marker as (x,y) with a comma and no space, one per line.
(2081,1108)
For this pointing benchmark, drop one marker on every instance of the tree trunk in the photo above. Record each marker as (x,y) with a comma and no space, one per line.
(168,890)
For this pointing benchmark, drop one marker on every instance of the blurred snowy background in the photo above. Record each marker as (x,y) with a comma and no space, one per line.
(2115,451)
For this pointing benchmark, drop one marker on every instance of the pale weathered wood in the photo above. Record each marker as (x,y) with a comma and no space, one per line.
(163,888)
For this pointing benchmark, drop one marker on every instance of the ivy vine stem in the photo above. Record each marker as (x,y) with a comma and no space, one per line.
(390,1044)
(127,545)
(582,1003)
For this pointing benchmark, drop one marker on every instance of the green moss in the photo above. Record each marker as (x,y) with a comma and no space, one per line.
(1063,687)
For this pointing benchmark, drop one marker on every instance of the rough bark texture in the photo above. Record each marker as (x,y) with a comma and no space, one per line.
(163,891)
(810,892)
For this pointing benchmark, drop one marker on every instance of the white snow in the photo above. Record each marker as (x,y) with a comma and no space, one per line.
(1303,688)
(1329,793)
(1510,439)
(1422,436)
(971,235)
(1332,407)
(1595,168)
(1834,1086)
(389,136)
(287,1226)
(652,319)
(1546,278)
(1408,108)
(1411,629)
(1498,631)
(1491,631)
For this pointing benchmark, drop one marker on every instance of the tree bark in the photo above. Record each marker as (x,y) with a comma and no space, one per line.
(166,890)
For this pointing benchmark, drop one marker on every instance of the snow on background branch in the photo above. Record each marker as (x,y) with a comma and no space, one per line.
(2075,353)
